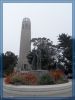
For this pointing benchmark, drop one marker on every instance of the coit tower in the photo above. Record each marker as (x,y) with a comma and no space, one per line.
(25,44)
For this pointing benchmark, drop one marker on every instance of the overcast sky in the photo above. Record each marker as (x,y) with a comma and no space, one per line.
(47,20)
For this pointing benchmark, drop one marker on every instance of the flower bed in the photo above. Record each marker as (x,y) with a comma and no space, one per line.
(30,78)
(19,78)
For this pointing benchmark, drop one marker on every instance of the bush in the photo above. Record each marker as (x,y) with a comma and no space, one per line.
(17,80)
(22,79)
(46,80)
(8,71)
(53,77)
(62,79)
(8,79)
(31,79)
(58,76)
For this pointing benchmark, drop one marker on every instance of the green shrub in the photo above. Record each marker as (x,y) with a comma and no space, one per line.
(8,71)
(17,80)
(46,80)
(24,79)
(62,79)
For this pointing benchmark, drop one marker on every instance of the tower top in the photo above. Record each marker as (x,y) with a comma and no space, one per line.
(26,19)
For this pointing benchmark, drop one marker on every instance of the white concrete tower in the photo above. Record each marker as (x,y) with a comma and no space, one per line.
(25,44)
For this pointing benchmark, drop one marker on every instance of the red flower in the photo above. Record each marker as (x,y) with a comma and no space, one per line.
(8,80)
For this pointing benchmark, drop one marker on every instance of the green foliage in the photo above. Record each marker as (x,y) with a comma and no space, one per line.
(62,79)
(32,59)
(65,43)
(9,62)
(17,80)
(65,40)
(8,71)
(52,77)
(46,80)
(41,55)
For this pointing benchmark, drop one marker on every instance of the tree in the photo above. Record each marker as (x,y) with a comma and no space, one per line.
(9,62)
(32,59)
(42,54)
(65,43)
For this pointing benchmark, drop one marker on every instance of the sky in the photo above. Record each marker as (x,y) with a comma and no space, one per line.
(47,20)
